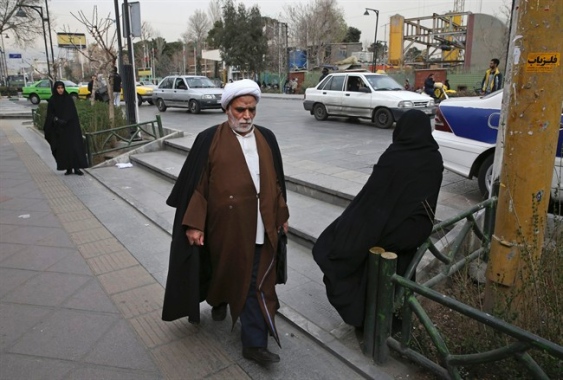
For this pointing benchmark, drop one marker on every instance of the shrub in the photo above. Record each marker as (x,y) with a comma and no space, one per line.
(465,335)
(93,118)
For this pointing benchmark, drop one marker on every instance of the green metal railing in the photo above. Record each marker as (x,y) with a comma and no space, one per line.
(388,292)
(111,140)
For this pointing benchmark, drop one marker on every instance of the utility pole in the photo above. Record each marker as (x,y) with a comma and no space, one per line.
(531,113)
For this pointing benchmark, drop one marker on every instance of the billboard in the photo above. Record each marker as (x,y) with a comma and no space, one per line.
(71,40)
(298,60)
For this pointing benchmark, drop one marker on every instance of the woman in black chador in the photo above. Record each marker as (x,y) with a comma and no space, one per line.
(394,210)
(62,131)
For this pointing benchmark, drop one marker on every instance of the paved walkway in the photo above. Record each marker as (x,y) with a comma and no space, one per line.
(76,304)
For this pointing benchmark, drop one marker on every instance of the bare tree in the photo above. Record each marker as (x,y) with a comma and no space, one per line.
(102,54)
(24,29)
(214,12)
(316,25)
(198,28)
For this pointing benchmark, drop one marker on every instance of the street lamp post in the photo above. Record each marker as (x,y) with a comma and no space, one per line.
(38,9)
(366,13)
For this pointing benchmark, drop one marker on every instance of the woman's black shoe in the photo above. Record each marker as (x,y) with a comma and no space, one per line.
(68,172)
(78,172)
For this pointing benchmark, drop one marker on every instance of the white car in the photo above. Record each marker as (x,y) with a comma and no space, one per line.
(466,130)
(376,97)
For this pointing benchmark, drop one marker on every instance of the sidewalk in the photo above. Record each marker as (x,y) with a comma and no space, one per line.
(15,108)
(76,304)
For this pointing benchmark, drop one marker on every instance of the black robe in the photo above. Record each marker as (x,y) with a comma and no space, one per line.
(189,269)
(394,210)
(62,131)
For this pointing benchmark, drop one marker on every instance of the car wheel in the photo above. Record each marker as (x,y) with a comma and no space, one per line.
(139,99)
(383,118)
(195,107)
(34,99)
(485,176)
(319,110)
(160,105)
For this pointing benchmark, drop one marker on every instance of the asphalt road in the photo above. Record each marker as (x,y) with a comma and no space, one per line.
(352,145)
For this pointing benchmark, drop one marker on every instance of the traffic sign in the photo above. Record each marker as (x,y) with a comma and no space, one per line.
(14,55)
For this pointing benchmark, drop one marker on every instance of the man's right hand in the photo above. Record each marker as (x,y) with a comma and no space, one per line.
(194,236)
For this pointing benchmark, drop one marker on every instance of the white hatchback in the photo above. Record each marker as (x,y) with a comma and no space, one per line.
(376,97)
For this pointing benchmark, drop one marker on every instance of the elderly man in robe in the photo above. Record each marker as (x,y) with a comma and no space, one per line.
(230,204)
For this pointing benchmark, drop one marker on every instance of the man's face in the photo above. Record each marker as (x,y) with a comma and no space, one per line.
(492,65)
(241,113)
(60,90)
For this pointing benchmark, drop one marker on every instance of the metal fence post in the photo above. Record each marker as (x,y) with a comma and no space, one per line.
(160,130)
(88,150)
(371,297)
(384,305)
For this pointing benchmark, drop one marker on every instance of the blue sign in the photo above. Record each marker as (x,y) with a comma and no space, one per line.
(14,55)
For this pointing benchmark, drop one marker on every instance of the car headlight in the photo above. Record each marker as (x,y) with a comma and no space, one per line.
(207,96)
(406,104)
(148,92)
(431,103)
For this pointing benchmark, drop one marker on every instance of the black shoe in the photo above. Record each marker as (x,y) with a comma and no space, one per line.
(68,172)
(260,355)
(78,172)
(219,313)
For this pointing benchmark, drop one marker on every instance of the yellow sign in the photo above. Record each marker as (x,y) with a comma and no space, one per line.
(542,62)
(145,73)
(71,40)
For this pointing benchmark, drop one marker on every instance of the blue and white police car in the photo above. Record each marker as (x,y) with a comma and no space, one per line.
(466,131)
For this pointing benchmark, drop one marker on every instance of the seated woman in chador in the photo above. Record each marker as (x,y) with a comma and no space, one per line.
(394,210)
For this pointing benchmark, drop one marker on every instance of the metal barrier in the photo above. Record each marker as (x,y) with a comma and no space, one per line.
(382,302)
(101,142)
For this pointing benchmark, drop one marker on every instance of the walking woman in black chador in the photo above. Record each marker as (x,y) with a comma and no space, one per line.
(62,131)
(394,210)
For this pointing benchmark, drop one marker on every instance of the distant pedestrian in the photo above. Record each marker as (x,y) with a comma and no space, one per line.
(492,80)
(62,131)
(116,87)
(429,85)
(294,85)
(324,74)
(407,85)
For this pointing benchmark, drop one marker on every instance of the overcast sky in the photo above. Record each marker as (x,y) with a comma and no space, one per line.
(170,18)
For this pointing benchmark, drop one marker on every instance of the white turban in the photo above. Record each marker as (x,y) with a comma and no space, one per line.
(239,88)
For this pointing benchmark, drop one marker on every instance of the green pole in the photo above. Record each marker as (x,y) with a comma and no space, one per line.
(384,305)
(371,296)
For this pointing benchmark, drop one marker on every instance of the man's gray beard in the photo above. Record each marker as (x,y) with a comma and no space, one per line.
(240,129)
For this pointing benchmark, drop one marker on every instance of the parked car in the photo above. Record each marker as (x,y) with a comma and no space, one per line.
(376,97)
(41,90)
(193,92)
(466,129)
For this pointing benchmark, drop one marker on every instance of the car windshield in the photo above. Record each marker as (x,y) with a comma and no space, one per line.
(383,83)
(200,83)
(69,83)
